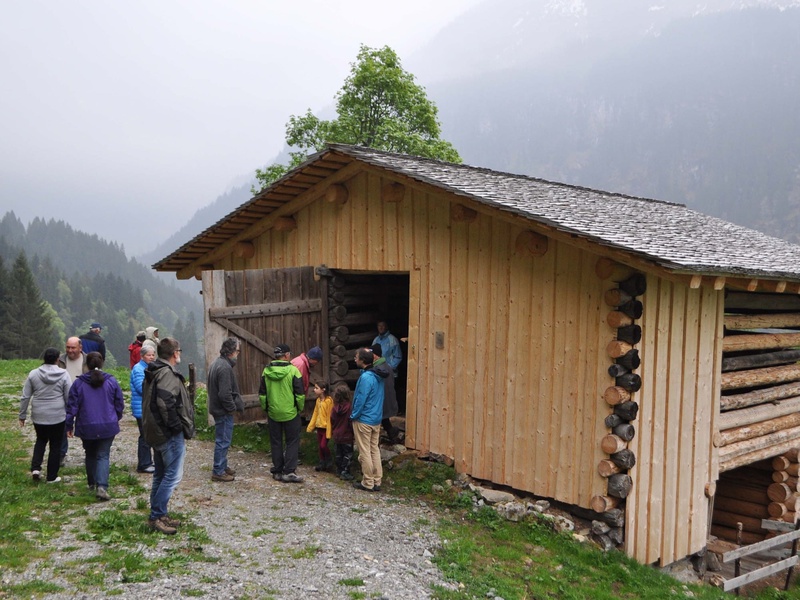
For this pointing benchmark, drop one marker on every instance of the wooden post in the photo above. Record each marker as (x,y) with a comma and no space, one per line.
(337,194)
(531,243)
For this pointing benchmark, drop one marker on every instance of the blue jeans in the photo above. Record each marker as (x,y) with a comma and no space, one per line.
(144,456)
(98,461)
(224,435)
(168,474)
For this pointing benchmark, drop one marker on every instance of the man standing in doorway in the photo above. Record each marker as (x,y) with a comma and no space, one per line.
(282,396)
(168,421)
(366,417)
(389,344)
(223,401)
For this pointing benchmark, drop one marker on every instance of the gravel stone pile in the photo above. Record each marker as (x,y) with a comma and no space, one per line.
(271,539)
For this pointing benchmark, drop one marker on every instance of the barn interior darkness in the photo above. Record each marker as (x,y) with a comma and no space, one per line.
(356,302)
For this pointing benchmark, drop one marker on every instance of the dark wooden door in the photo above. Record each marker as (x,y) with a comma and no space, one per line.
(264,307)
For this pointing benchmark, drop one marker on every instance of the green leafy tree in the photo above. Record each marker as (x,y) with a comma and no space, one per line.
(380,106)
(27,329)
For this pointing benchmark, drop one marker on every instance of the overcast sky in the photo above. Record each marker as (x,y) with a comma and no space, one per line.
(123,118)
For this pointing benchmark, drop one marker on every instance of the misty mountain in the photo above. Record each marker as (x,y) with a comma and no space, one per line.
(706,113)
(85,278)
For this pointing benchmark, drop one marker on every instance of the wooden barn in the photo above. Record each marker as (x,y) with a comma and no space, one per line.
(619,354)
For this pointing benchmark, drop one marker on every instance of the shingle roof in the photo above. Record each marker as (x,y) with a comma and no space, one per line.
(671,235)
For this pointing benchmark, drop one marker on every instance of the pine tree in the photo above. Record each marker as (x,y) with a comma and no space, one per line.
(28,329)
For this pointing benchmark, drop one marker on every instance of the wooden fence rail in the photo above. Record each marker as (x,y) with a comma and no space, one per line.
(740,580)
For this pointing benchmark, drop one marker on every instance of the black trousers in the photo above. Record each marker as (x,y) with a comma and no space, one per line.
(52,435)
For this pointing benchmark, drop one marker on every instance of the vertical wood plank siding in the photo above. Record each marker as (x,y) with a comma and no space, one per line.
(515,394)
(667,511)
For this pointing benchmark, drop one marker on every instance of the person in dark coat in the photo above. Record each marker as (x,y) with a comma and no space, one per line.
(92,341)
(223,400)
(382,368)
(94,409)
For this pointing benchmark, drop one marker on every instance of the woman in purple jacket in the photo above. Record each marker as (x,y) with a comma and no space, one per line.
(94,408)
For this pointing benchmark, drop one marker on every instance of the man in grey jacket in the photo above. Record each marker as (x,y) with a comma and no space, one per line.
(223,401)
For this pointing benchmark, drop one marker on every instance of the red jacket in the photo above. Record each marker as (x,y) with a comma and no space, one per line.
(136,352)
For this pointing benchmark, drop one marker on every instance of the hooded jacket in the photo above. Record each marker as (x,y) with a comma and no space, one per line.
(93,342)
(385,372)
(281,391)
(47,390)
(368,398)
(321,419)
(95,411)
(150,334)
(135,351)
(166,408)
(137,382)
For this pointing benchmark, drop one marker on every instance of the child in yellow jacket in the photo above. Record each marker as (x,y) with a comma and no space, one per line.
(321,422)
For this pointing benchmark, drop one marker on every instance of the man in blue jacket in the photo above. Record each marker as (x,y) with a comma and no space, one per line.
(366,416)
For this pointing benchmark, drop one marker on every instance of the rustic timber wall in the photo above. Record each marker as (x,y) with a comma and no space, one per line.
(667,509)
(514,393)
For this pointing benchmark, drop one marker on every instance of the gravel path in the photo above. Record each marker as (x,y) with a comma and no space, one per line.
(272,539)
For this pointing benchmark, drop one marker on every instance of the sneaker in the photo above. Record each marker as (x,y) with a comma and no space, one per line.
(37,475)
(56,480)
(357,485)
(160,526)
(230,471)
(102,494)
(171,522)
(150,469)
(292,478)
(224,477)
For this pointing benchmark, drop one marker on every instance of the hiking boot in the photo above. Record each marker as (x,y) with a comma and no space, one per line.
(160,526)
(277,476)
(230,471)
(102,494)
(37,475)
(359,486)
(346,476)
(376,488)
(292,478)
(224,477)
(171,522)
(321,467)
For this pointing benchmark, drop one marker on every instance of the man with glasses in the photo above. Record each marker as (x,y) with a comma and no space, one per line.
(168,421)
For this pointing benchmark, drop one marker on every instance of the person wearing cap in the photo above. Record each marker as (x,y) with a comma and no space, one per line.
(283,397)
(93,342)
(304,362)
(135,349)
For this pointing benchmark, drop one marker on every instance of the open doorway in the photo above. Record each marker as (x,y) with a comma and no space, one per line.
(356,302)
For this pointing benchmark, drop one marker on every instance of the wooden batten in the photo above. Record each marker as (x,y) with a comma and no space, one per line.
(531,243)
(605,268)
(462,214)
(393,192)
(337,194)
(244,249)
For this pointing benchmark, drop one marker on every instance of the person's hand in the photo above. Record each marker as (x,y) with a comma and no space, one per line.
(70,434)
(22,422)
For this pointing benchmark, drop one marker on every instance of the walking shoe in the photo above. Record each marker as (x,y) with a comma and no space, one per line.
(160,526)
(56,480)
(37,475)
(230,471)
(321,467)
(92,487)
(292,478)
(171,522)
(224,477)
(102,494)
(346,476)
(277,476)
(376,488)
(358,485)
(150,469)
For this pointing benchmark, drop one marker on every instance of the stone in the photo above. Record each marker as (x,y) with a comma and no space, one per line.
(496,496)
(437,489)
(511,511)
(561,523)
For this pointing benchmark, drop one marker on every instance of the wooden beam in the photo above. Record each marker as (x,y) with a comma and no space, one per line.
(763,321)
(760,341)
(759,412)
(695,282)
(393,192)
(462,214)
(245,335)
(267,310)
(737,380)
(198,272)
(337,194)
(285,224)
(744,302)
(244,249)
(531,243)
(605,268)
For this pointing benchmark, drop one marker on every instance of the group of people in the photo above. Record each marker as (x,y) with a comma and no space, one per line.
(71,396)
